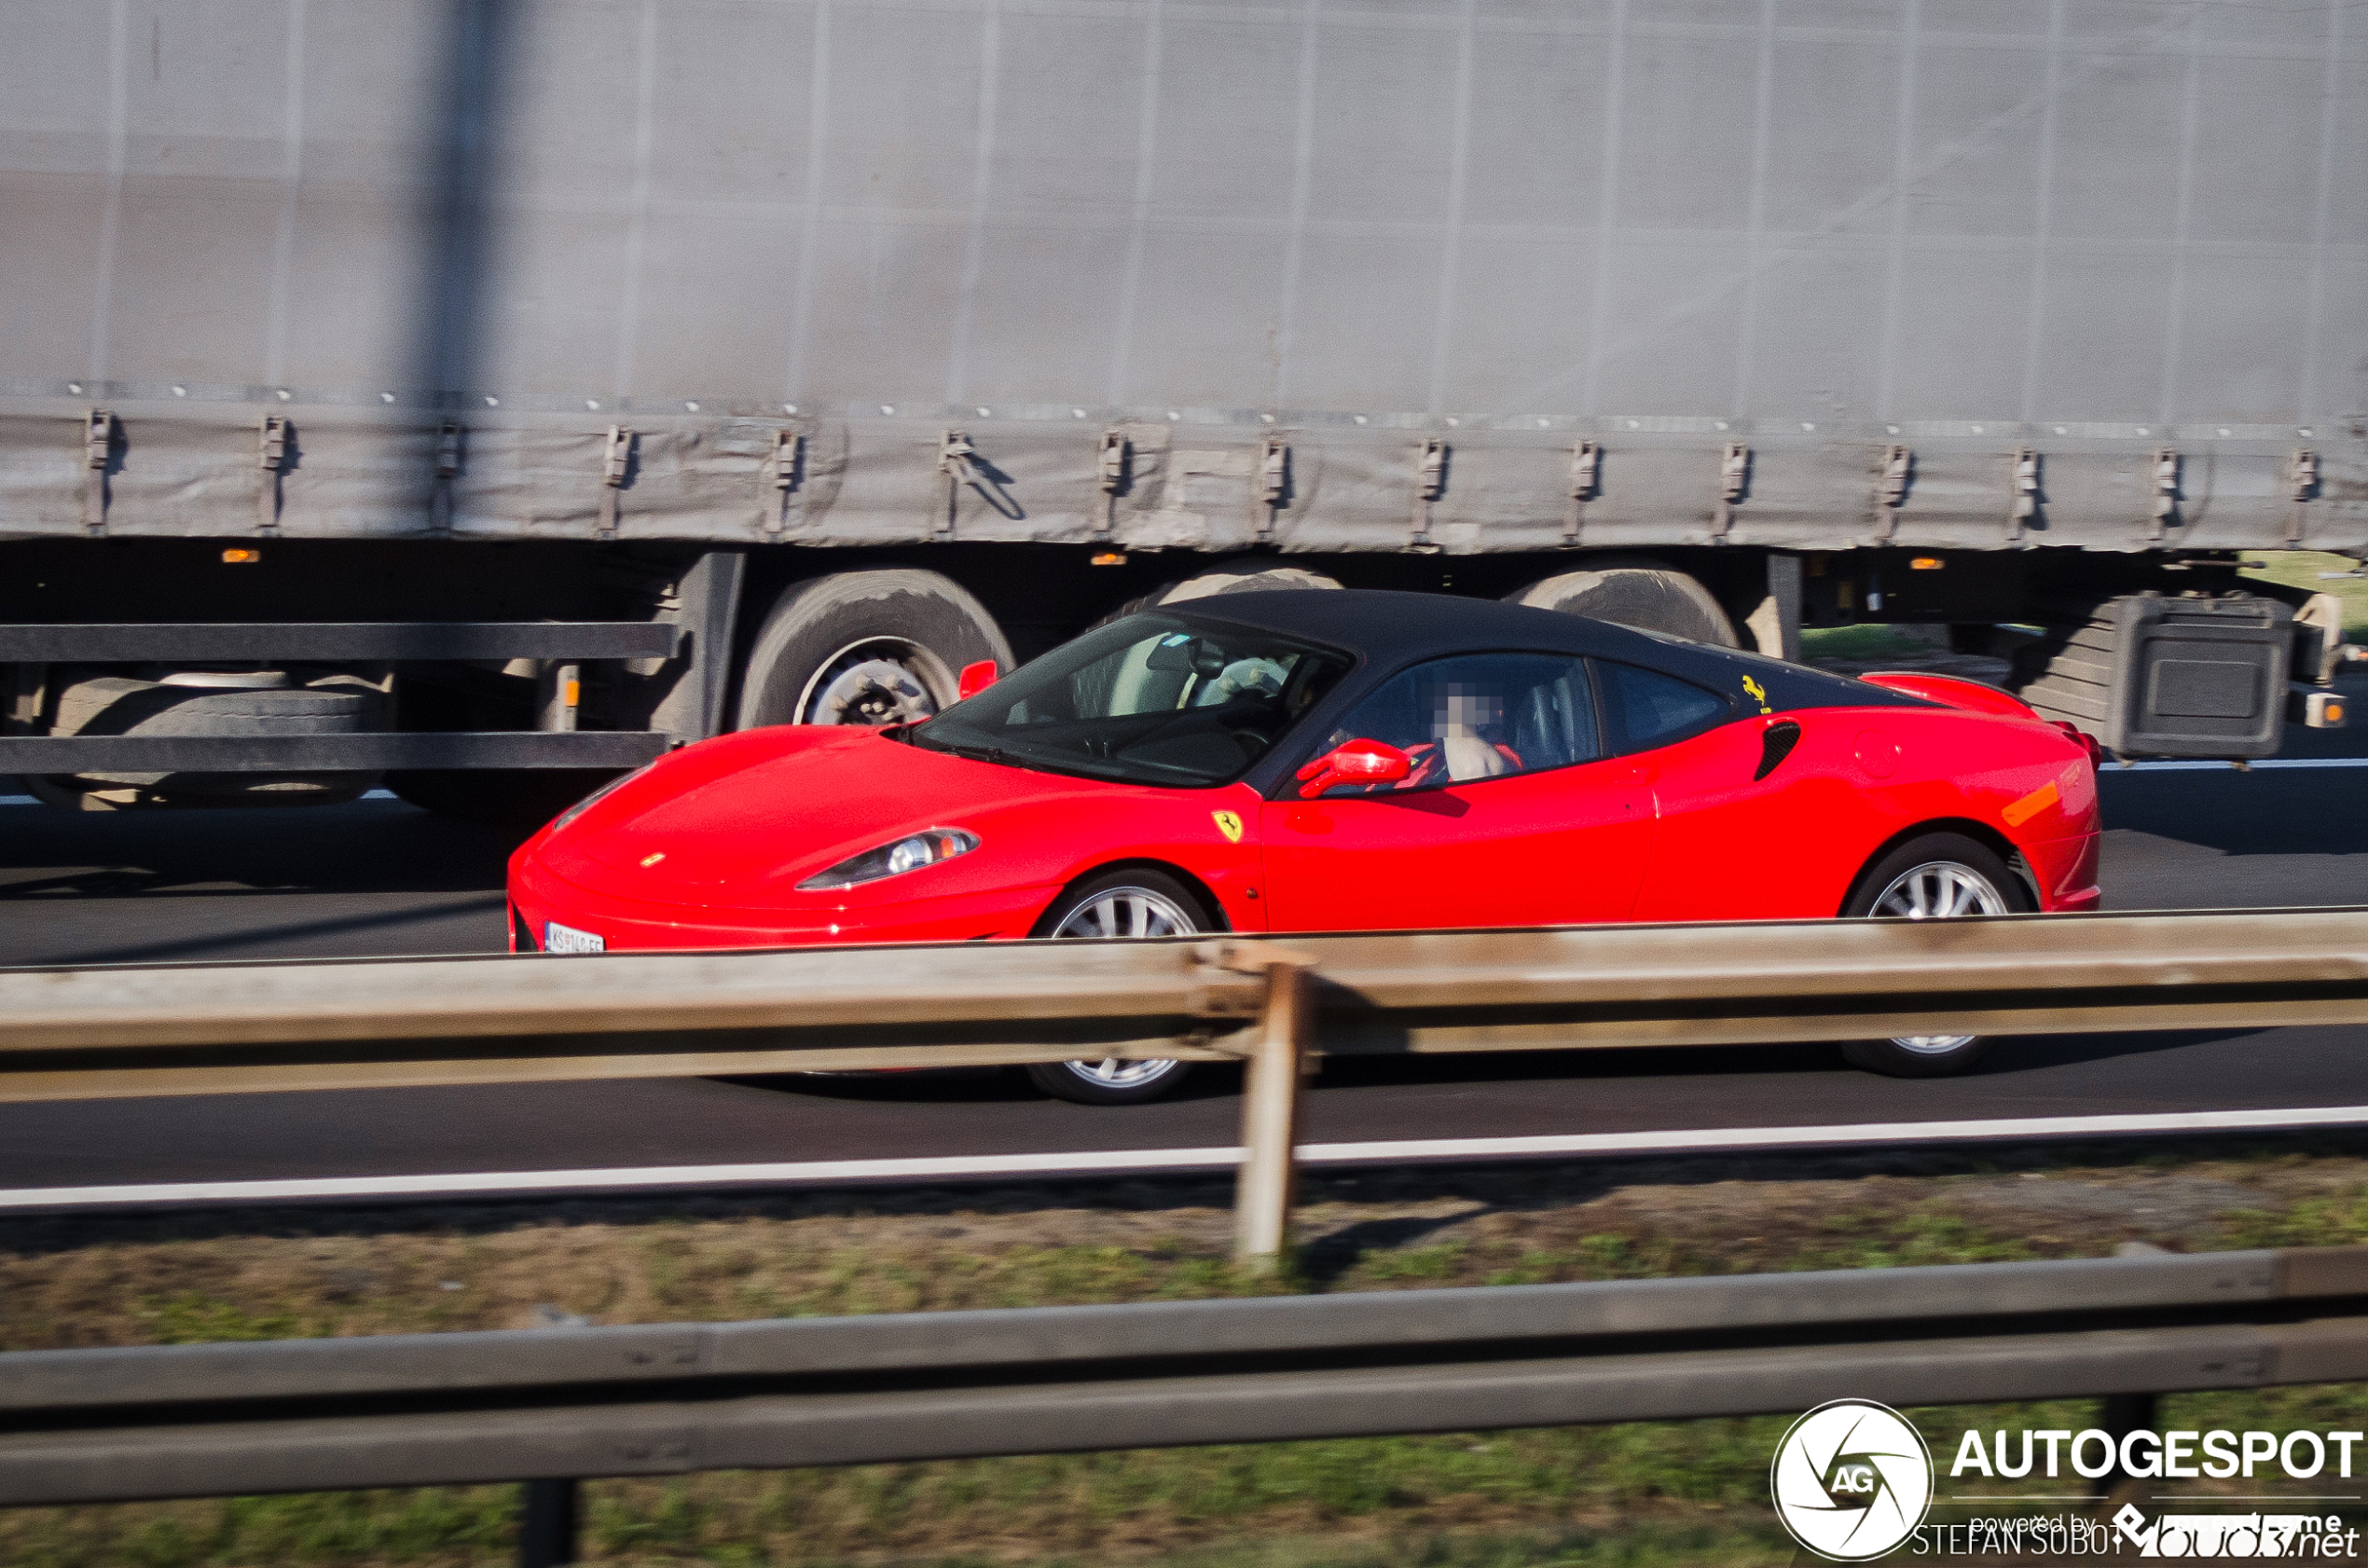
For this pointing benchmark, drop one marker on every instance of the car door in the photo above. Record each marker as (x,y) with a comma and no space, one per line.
(1511,815)
(1734,831)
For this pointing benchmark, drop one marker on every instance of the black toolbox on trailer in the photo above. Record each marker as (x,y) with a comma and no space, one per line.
(2151,676)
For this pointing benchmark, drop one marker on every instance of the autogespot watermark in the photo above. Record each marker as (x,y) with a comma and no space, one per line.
(1854,1481)
(2094,1454)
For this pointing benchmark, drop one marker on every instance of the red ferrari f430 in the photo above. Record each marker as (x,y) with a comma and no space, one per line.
(1331,762)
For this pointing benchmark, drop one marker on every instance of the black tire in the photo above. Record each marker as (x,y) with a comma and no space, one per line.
(506,798)
(1238,577)
(867,647)
(1944,854)
(113,705)
(1112,1082)
(498,797)
(1648,598)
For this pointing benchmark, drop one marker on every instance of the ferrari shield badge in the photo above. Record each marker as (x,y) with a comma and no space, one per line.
(1230,825)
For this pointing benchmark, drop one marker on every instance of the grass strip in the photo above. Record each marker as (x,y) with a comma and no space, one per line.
(1640,1494)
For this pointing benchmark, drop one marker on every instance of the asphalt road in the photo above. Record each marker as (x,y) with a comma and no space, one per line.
(377,877)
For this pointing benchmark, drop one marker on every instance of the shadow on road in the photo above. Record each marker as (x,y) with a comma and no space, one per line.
(1208,1081)
(1678,1065)
(2036,1053)
(230,947)
(367,846)
(2300,811)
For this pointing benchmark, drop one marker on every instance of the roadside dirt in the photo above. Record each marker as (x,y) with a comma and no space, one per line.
(292,1273)
(1636,1496)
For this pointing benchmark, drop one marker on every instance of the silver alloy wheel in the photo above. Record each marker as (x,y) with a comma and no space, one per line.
(881,681)
(1125,912)
(1938,891)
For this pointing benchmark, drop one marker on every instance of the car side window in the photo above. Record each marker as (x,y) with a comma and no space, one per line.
(1645,709)
(1476,716)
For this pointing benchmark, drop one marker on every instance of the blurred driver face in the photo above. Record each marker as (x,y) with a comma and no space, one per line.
(1461,707)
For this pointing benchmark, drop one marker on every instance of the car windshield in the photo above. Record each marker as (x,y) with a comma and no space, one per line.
(1155,699)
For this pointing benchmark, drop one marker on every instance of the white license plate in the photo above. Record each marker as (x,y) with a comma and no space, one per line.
(567,939)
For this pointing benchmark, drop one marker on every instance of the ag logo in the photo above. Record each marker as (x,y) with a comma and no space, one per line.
(1852,1479)
(1230,825)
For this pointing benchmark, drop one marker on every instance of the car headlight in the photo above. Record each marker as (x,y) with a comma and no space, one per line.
(925,848)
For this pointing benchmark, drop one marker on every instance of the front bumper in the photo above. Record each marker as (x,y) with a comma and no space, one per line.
(538,895)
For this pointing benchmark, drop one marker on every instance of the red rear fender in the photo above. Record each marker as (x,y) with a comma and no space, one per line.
(1951,691)
(2066,871)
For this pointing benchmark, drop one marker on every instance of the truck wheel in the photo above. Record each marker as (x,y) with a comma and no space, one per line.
(1648,598)
(1241,577)
(1940,876)
(1119,904)
(875,648)
(259,703)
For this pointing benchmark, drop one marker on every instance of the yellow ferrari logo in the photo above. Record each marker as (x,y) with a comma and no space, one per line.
(1230,825)
(1759,693)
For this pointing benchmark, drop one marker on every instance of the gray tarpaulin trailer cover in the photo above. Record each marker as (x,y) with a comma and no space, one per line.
(1495,275)
(850,340)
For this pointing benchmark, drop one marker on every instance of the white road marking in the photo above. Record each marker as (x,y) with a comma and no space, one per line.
(490,1184)
(2167,766)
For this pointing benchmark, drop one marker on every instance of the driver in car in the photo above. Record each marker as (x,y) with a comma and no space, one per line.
(1463,738)
(1466,740)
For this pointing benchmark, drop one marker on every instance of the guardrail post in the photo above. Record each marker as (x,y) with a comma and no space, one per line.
(1268,1179)
(547,1525)
(2120,1415)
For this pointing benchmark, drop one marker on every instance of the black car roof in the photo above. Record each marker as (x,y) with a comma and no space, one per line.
(1393,629)
(1390,626)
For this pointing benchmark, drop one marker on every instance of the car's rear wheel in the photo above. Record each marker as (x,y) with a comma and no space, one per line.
(1115,905)
(1939,877)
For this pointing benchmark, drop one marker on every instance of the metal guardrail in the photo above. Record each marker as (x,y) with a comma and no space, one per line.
(555,1405)
(177,1029)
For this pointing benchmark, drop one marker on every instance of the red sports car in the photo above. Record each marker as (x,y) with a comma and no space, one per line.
(1339,761)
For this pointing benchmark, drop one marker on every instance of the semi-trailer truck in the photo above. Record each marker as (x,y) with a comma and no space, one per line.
(480,397)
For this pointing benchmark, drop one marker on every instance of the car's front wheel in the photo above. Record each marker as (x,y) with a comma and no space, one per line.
(1121,903)
(1940,876)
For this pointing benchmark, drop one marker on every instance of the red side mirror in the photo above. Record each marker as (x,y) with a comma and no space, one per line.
(1355,761)
(974,679)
